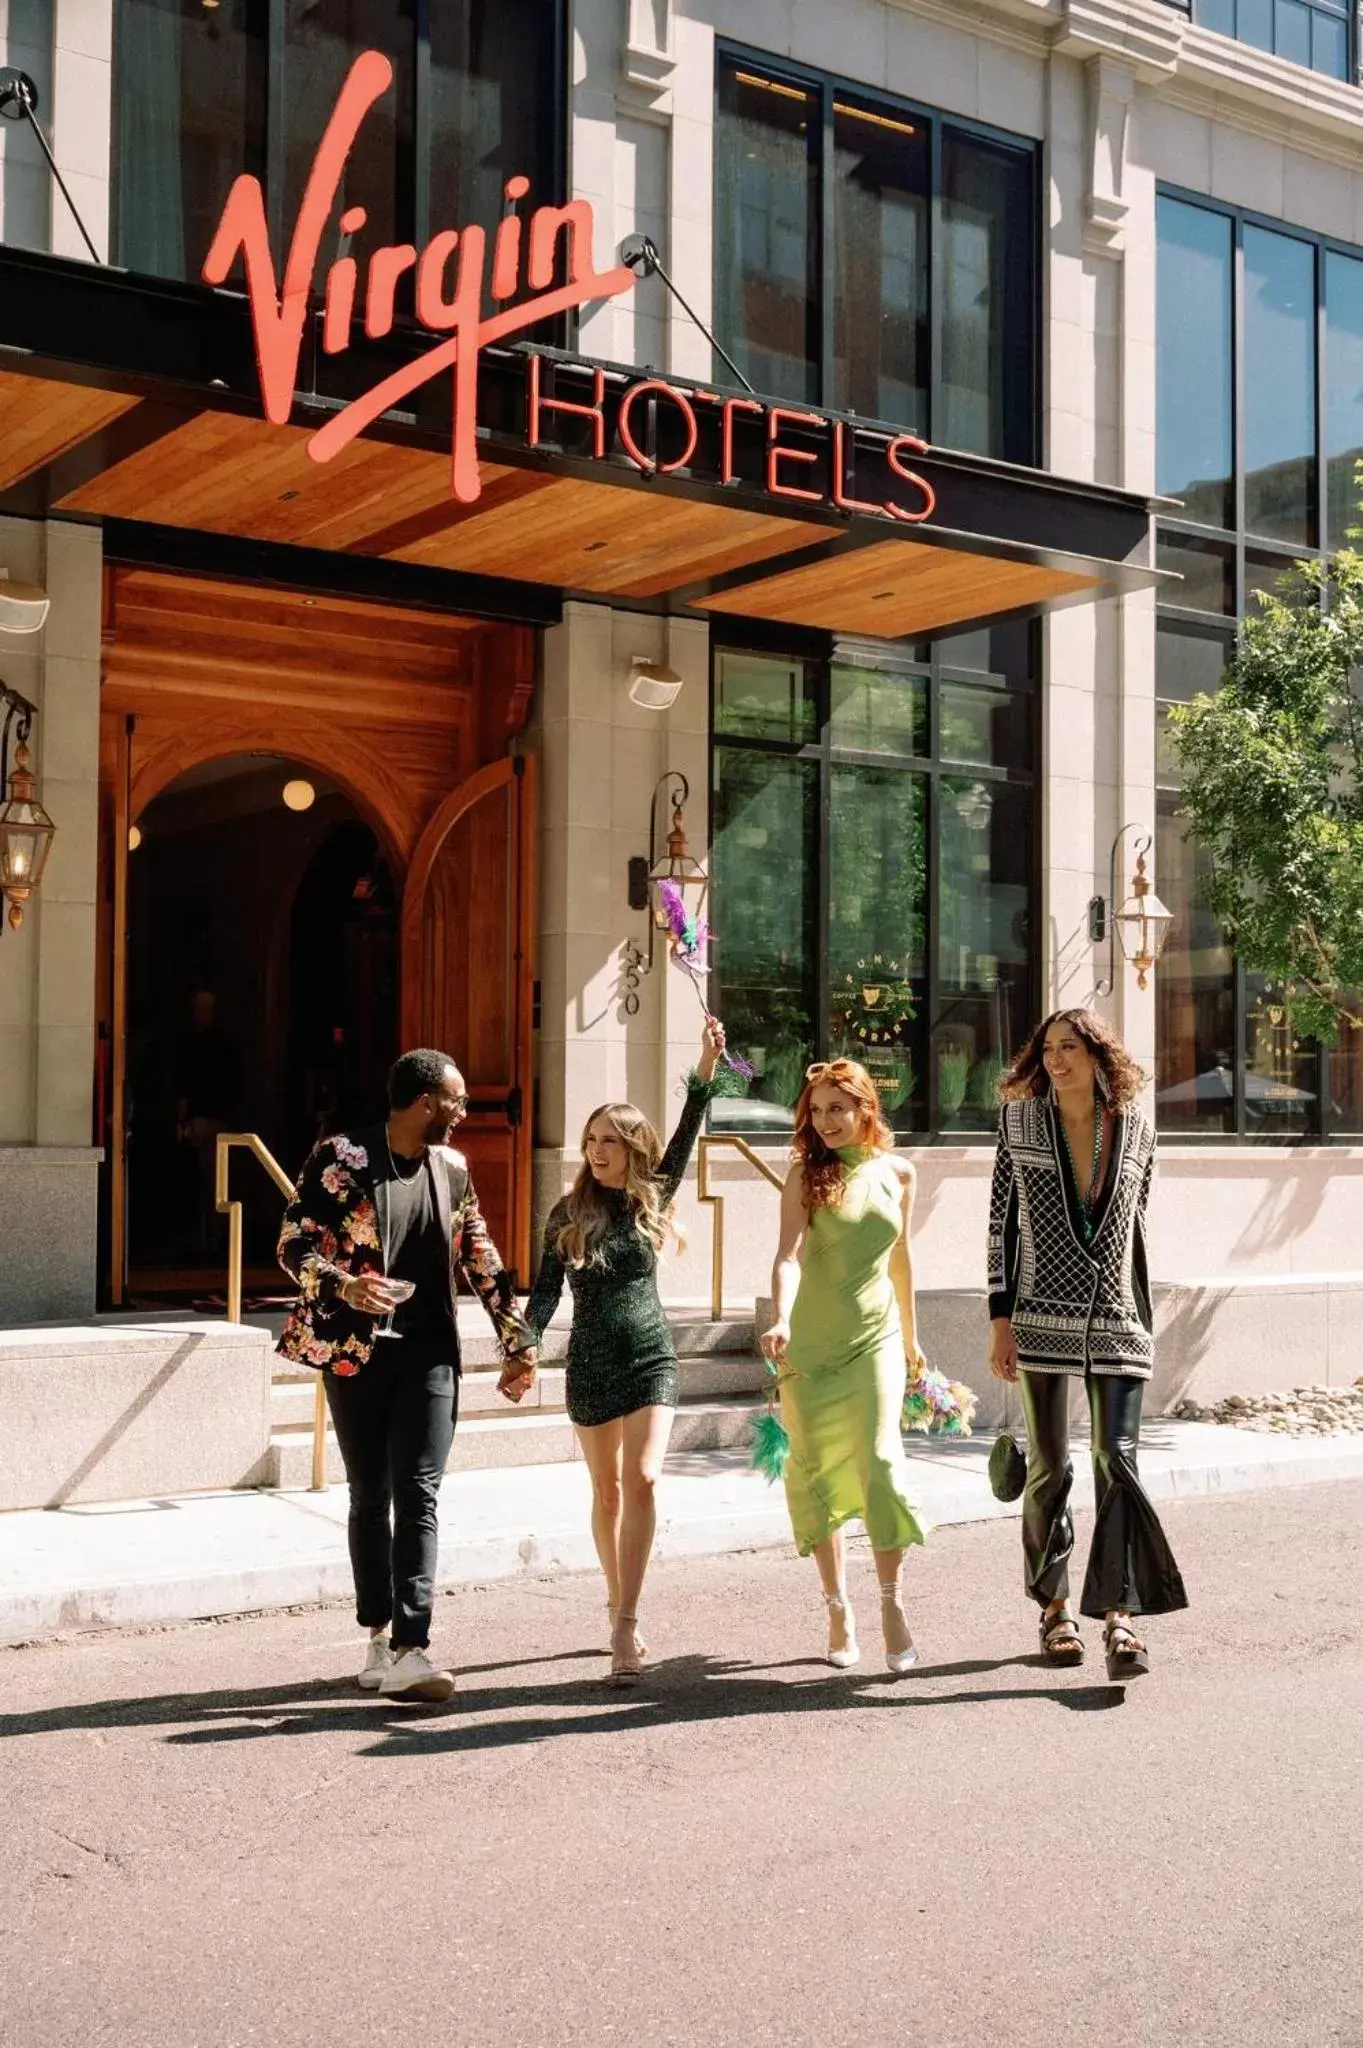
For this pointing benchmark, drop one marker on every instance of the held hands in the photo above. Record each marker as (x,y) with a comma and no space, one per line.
(711,1048)
(915,1360)
(1003,1350)
(518,1375)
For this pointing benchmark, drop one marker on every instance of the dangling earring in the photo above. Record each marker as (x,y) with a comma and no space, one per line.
(1101,1083)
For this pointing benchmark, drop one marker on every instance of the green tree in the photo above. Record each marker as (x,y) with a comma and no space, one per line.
(1273,790)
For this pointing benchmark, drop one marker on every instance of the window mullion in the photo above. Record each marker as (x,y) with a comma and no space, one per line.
(934,284)
(422,126)
(828,260)
(276,138)
(822,969)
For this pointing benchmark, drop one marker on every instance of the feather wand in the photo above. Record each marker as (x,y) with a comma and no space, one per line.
(688,937)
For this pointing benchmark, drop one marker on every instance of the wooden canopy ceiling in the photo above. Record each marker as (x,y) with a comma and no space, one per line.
(108,455)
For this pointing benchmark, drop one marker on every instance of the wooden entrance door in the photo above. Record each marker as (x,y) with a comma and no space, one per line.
(467,920)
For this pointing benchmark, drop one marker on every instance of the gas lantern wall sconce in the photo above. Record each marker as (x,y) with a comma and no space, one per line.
(674,864)
(26,831)
(1142,924)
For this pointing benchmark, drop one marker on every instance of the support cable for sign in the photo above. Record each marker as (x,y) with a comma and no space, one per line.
(640,253)
(19,102)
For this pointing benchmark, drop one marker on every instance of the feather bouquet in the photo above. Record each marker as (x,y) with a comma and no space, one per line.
(936,1405)
(688,937)
(768,1440)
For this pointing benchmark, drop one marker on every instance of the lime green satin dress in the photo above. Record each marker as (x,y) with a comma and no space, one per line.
(841,1406)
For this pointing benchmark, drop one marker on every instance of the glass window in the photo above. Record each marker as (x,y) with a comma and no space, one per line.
(984,946)
(1280,386)
(881,253)
(1343,391)
(1280,1073)
(1195,994)
(767,214)
(986,284)
(1309,32)
(763,870)
(906,292)
(1195,363)
(189,114)
(1345,1076)
(203,93)
(878,711)
(1208,571)
(919,962)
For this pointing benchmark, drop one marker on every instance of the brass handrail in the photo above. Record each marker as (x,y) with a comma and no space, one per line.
(710,1143)
(249,1142)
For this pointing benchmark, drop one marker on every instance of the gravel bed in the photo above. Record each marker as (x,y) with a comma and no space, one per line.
(1305,1411)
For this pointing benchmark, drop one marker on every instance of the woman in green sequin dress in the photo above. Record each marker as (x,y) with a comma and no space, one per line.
(843,1341)
(604,1238)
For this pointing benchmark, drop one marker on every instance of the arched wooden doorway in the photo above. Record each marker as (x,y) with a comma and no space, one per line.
(400,710)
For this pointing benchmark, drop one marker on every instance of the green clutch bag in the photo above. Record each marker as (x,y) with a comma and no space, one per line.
(1007,1468)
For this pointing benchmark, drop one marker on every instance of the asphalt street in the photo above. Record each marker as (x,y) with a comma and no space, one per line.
(212,1839)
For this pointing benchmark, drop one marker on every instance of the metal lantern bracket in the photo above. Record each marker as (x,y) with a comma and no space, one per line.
(645,872)
(1105,916)
(22,817)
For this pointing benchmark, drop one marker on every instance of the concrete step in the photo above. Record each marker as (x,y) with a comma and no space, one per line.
(705,1376)
(486,1441)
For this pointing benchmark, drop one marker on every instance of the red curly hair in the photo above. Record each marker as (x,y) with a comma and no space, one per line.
(823,1176)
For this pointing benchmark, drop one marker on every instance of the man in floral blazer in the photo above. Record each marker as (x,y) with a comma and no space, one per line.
(392,1204)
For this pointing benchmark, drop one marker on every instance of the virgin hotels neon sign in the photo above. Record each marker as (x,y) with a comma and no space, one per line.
(452,283)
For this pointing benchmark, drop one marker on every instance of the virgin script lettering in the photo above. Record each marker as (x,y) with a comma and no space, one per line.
(446,306)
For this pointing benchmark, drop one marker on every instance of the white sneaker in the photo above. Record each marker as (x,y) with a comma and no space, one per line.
(378,1661)
(412,1676)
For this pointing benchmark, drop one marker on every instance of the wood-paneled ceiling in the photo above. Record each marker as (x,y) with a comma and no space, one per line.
(899,589)
(232,474)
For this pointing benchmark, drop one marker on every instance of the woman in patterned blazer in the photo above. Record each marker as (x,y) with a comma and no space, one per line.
(1069,1298)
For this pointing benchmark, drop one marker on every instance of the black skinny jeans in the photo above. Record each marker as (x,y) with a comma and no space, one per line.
(1130,1563)
(395,1422)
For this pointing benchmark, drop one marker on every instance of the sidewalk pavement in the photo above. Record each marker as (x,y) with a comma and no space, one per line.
(130,1563)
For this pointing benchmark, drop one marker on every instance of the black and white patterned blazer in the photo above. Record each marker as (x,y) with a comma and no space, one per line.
(1075,1307)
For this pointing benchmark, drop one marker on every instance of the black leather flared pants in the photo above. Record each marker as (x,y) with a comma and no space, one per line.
(1130,1563)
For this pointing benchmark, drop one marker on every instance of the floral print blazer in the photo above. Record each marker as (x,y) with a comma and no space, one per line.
(335,1227)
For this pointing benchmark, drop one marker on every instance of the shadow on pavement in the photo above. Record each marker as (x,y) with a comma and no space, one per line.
(487,1717)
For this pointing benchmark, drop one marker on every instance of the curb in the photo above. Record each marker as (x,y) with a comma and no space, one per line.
(59,1575)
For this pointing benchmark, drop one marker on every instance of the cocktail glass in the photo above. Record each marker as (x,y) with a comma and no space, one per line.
(397,1291)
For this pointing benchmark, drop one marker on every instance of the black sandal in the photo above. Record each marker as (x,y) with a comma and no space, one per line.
(1061,1642)
(1125,1659)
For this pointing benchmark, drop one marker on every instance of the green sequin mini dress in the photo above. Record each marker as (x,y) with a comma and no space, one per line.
(620,1353)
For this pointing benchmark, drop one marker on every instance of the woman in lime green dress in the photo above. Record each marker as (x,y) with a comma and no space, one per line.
(843,1342)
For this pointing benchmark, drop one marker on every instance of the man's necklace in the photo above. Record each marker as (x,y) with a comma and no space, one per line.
(398,1173)
(1087,1202)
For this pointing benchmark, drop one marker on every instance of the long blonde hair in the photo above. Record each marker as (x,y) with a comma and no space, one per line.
(580,1239)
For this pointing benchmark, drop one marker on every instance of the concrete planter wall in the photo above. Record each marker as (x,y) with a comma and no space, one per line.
(125,1410)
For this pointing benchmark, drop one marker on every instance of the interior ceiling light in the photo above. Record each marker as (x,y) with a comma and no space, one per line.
(876,120)
(134,838)
(23,606)
(785,92)
(299,795)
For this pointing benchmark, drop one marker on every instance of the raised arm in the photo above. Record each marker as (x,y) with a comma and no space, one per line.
(307,1241)
(785,1272)
(700,1087)
(901,1266)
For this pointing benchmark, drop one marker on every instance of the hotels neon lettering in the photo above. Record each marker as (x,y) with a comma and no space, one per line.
(451,282)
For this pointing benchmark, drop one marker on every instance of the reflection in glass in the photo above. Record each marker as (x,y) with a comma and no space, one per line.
(985,280)
(1189,660)
(878,711)
(877,833)
(1293,31)
(1280,386)
(1346,1075)
(766,221)
(765,881)
(491,84)
(1195,994)
(1265,571)
(322,39)
(1194,287)
(1011,649)
(881,248)
(1280,1071)
(1343,391)
(983,947)
(1208,571)
(1330,45)
(763,696)
(189,117)
(989,727)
